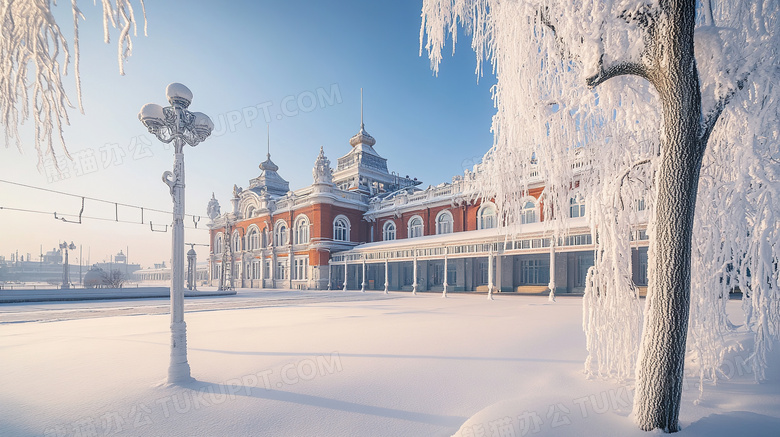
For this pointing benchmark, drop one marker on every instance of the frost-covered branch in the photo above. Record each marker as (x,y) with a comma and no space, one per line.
(618,69)
(711,117)
(35,56)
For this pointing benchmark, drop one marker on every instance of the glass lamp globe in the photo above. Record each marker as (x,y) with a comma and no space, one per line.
(178,95)
(202,124)
(151,115)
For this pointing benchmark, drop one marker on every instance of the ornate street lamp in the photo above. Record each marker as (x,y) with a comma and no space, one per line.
(177,125)
(66,270)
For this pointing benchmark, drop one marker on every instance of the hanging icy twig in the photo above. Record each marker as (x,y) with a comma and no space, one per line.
(35,56)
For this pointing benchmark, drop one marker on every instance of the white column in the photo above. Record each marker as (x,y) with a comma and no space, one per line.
(330,268)
(291,262)
(363,285)
(551,285)
(179,368)
(346,267)
(262,271)
(387,277)
(444,293)
(490,274)
(414,268)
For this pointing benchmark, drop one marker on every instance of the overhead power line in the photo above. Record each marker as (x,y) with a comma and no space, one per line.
(90,198)
(73,218)
(7,208)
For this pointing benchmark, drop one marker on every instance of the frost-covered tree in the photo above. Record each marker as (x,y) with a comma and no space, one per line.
(34,57)
(672,104)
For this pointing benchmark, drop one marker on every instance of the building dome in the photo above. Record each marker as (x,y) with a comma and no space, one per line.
(362,137)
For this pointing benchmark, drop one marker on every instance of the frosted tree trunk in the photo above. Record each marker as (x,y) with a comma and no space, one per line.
(662,350)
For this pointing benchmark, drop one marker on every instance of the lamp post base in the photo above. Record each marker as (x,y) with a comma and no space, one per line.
(179,369)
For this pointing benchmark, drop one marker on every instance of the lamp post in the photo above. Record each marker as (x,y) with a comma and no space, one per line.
(177,125)
(66,270)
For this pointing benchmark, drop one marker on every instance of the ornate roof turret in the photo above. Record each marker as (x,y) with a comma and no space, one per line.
(213,208)
(269,180)
(362,137)
(321,171)
(268,164)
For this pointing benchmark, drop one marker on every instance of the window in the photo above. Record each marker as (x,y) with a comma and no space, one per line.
(444,223)
(584,262)
(302,230)
(264,238)
(280,233)
(642,273)
(255,269)
(341,229)
(236,242)
(415,227)
(218,243)
(438,273)
(253,239)
(577,206)
(250,212)
(535,271)
(267,268)
(248,271)
(528,214)
(486,218)
(482,274)
(281,269)
(388,231)
(301,270)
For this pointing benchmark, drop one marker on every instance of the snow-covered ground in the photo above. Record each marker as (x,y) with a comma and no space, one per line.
(270,363)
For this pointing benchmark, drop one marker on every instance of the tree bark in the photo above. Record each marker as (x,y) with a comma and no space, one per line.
(662,351)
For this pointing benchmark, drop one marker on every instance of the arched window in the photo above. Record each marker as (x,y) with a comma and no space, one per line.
(388,231)
(253,239)
(341,228)
(218,243)
(280,233)
(444,223)
(236,242)
(486,217)
(415,227)
(577,206)
(250,211)
(528,214)
(302,230)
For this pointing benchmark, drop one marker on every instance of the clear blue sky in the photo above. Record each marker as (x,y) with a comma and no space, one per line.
(237,57)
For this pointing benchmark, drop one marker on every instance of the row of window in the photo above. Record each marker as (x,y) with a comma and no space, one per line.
(487,218)
(253,270)
(256,239)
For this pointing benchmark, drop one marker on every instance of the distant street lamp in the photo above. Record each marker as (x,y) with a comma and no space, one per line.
(65,269)
(178,125)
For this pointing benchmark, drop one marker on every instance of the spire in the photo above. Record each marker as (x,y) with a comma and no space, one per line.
(362,137)
(268,164)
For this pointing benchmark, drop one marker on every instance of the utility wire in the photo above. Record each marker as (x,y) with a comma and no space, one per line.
(89,217)
(89,198)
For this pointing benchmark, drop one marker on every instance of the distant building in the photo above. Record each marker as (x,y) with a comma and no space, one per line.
(49,268)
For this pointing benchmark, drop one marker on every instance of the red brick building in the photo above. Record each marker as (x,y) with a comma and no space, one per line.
(361,227)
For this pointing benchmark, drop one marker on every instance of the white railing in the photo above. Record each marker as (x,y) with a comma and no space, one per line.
(430,194)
